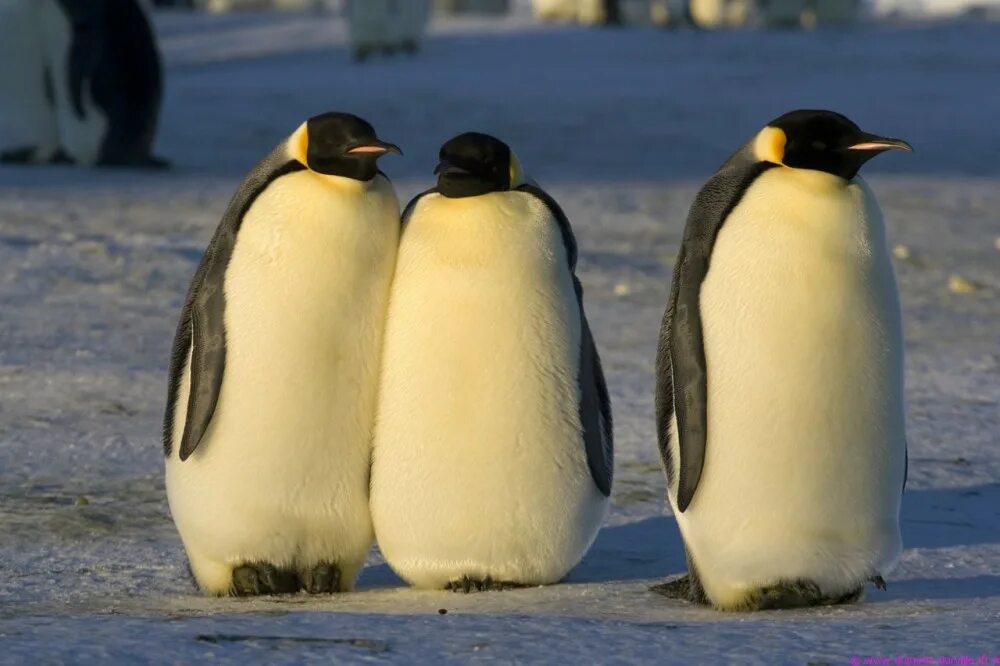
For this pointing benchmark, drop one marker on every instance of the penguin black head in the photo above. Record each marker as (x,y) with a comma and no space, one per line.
(339,144)
(821,141)
(471,164)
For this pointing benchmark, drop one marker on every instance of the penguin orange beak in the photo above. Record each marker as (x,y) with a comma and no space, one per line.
(375,148)
(873,142)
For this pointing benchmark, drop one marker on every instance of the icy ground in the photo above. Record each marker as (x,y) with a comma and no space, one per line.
(621,126)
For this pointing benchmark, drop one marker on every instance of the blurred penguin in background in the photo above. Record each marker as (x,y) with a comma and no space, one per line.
(385,26)
(82,83)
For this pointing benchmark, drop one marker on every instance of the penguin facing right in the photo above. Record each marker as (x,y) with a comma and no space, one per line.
(274,372)
(779,401)
(492,457)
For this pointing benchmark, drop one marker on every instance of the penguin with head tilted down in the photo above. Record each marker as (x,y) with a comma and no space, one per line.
(101,83)
(492,460)
(274,372)
(779,399)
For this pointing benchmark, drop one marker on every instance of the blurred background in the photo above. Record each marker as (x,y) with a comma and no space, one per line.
(621,110)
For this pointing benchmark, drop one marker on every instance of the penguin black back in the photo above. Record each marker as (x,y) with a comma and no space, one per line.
(128,85)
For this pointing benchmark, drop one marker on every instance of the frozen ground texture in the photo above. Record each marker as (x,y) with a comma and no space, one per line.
(621,126)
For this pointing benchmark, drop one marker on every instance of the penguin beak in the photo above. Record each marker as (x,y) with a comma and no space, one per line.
(874,142)
(376,147)
(446,168)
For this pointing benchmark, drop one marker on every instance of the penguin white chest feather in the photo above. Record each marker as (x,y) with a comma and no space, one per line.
(281,475)
(804,459)
(479,466)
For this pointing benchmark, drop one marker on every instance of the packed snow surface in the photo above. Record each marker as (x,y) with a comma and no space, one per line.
(621,126)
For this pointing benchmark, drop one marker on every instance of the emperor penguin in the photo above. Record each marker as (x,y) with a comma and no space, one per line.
(779,398)
(492,461)
(28,131)
(273,377)
(106,80)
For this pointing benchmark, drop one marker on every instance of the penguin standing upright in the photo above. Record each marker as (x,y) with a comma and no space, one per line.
(28,131)
(273,377)
(492,460)
(779,397)
(106,80)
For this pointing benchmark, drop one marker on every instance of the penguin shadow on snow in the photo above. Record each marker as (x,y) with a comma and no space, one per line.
(651,549)
(949,518)
(377,577)
(648,549)
(931,519)
(645,549)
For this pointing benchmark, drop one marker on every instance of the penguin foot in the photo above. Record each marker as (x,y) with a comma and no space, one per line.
(797,594)
(682,587)
(466,584)
(18,155)
(61,157)
(322,579)
(877,581)
(141,162)
(675,588)
(262,578)
(793,594)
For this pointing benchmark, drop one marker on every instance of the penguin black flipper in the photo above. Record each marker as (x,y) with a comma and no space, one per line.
(680,364)
(595,401)
(127,86)
(86,48)
(201,331)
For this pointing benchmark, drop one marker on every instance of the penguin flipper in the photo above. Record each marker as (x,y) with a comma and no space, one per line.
(208,351)
(681,367)
(595,406)
(86,50)
(595,401)
(201,331)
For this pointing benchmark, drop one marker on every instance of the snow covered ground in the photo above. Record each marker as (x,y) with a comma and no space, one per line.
(621,126)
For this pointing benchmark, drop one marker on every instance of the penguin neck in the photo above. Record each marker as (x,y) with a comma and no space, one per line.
(819,181)
(345,184)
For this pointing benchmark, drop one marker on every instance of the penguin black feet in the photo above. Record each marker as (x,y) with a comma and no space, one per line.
(686,587)
(785,594)
(322,579)
(18,155)
(251,580)
(877,581)
(150,162)
(466,584)
(799,594)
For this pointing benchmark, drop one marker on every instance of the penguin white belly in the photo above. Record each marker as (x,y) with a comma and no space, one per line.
(81,136)
(27,119)
(479,466)
(281,475)
(804,461)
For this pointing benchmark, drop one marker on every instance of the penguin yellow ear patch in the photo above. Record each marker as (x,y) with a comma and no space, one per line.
(769,146)
(298,144)
(516,172)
